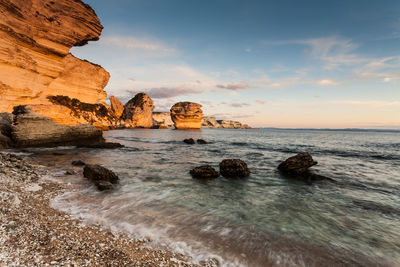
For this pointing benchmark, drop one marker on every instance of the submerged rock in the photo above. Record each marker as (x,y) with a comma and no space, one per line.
(78,163)
(233,168)
(138,112)
(202,142)
(189,141)
(298,164)
(204,172)
(103,178)
(186,115)
(104,145)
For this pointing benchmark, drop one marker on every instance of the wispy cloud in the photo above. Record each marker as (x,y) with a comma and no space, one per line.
(234,87)
(169,92)
(261,102)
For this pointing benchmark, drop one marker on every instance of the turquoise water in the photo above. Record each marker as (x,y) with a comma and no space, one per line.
(262,220)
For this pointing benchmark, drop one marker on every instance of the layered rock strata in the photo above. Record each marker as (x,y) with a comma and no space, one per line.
(138,112)
(162,119)
(33,130)
(186,115)
(35,39)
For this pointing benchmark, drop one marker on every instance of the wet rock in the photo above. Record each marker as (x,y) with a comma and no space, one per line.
(186,115)
(298,164)
(70,172)
(104,145)
(233,168)
(104,185)
(97,173)
(78,163)
(204,172)
(202,142)
(189,141)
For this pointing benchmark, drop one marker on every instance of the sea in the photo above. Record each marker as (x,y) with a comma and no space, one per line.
(266,219)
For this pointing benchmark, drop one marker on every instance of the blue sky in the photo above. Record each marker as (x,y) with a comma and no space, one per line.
(317,64)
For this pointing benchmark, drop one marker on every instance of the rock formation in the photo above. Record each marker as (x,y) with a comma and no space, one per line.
(5,131)
(298,164)
(103,178)
(162,119)
(204,172)
(233,168)
(116,106)
(138,112)
(35,64)
(33,130)
(212,122)
(186,115)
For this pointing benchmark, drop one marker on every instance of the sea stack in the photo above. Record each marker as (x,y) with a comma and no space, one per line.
(116,106)
(138,112)
(186,115)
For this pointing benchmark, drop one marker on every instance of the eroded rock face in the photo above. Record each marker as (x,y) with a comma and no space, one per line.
(162,120)
(32,130)
(186,115)
(35,39)
(116,106)
(210,122)
(138,112)
(298,164)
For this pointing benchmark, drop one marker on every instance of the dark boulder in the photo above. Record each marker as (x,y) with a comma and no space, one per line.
(189,141)
(103,145)
(78,163)
(104,185)
(233,168)
(202,142)
(97,173)
(204,172)
(298,164)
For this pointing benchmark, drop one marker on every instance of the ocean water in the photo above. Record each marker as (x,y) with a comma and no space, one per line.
(263,220)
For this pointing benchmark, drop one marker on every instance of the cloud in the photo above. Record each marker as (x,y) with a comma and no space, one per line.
(150,47)
(132,79)
(261,102)
(234,87)
(169,92)
(239,105)
(327,82)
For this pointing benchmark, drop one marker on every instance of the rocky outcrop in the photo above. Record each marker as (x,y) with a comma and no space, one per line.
(233,168)
(116,106)
(5,131)
(35,39)
(186,115)
(298,164)
(162,120)
(138,112)
(204,172)
(33,130)
(212,122)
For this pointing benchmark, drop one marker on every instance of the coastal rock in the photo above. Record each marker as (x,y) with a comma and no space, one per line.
(162,119)
(35,39)
(202,142)
(298,164)
(189,141)
(103,145)
(5,132)
(103,185)
(210,122)
(138,112)
(32,130)
(78,163)
(116,106)
(232,124)
(97,173)
(204,172)
(233,168)
(186,115)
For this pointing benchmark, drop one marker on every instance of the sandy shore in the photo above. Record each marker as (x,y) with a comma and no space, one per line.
(33,233)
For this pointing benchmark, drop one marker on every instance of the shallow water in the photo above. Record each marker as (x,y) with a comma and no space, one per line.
(262,220)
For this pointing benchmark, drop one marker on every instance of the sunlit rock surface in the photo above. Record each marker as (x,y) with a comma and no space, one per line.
(186,115)
(162,119)
(138,112)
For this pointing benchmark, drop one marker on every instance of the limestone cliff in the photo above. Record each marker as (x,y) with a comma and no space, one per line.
(138,112)
(35,39)
(186,115)
(162,119)
(212,122)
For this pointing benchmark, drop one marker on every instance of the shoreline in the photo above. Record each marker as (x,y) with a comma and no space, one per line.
(32,232)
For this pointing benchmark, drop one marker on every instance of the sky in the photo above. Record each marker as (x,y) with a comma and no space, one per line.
(287,64)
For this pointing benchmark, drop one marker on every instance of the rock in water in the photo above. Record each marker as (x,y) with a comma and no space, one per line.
(186,115)
(298,164)
(138,112)
(189,141)
(33,130)
(78,163)
(202,142)
(204,172)
(233,168)
(35,39)
(103,145)
(116,106)
(97,174)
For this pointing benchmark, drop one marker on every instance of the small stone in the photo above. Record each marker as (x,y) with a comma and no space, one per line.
(78,163)
(204,172)
(189,141)
(202,142)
